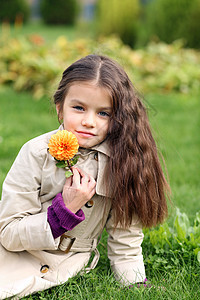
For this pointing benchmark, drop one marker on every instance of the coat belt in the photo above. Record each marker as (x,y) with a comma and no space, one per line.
(68,243)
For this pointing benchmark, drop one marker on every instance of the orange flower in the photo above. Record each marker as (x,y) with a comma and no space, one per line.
(63,145)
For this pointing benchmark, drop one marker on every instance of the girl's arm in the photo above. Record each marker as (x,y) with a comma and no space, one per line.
(23,223)
(65,212)
(125,252)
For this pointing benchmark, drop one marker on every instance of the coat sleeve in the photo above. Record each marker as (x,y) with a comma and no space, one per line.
(23,224)
(125,252)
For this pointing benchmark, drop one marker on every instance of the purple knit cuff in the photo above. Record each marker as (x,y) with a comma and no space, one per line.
(60,218)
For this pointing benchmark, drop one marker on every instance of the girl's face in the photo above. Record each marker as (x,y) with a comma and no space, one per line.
(86,113)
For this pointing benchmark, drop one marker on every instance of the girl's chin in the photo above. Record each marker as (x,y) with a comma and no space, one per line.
(87,143)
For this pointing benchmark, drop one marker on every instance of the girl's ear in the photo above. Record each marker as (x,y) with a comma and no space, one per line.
(59,113)
(57,108)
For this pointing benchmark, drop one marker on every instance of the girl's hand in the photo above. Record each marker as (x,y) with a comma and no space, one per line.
(78,189)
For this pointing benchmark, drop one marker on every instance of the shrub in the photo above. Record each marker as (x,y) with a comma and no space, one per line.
(118,17)
(170,20)
(11,10)
(192,33)
(29,64)
(59,11)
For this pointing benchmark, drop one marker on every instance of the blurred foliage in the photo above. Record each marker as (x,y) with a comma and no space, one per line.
(118,17)
(170,20)
(59,11)
(17,11)
(27,63)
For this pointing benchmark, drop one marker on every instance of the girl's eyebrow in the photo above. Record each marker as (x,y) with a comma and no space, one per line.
(77,101)
(106,108)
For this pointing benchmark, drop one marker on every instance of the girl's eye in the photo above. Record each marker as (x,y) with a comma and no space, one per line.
(104,114)
(77,107)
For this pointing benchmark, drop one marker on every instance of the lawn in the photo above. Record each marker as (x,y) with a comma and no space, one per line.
(47,32)
(176,124)
(175,121)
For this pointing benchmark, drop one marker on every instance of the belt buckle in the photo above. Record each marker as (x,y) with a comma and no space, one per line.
(70,244)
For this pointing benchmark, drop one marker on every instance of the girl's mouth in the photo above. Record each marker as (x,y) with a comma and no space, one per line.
(85,134)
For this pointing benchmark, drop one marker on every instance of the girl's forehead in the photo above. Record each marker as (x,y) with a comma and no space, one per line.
(77,85)
(86,83)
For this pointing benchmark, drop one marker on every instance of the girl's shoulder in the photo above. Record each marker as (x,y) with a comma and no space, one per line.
(32,155)
(39,144)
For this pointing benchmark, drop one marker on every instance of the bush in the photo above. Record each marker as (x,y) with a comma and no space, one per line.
(192,32)
(170,20)
(29,64)
(59,11)
(118,17)
(13,10)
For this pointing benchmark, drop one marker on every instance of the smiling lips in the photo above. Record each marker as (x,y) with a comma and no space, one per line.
(85,134)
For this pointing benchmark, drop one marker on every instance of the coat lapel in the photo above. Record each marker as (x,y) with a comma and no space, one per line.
(103,157)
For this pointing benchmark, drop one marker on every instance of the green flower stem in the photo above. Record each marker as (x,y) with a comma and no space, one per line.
(69,166)
(68,173)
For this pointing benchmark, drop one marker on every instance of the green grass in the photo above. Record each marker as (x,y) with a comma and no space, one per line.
(176,123)
(175,120)
(21,118)
(48,32)
(102,286)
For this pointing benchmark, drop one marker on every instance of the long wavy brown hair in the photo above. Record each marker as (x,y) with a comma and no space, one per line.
(134,174)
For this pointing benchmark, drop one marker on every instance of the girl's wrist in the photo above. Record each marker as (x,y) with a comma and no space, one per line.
(61,218)
(73,206)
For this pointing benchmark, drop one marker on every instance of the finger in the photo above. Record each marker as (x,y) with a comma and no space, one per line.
(68,182)
(92,185)
(81,172)
(85,178)
(92,181)
(76,178)
(93,191)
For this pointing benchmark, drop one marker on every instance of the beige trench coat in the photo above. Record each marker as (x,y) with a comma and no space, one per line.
(31,259)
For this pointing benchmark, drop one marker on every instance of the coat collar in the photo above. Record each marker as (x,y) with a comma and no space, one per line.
(103,148)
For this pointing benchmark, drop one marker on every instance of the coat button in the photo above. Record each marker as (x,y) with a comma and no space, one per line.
(89,204)
(96,156)
(44,269)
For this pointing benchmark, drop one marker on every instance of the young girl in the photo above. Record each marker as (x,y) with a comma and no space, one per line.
(50,225)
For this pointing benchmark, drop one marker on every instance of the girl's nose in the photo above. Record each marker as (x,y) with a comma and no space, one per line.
(89,120)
